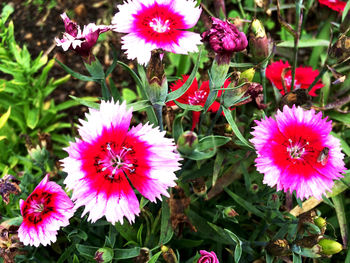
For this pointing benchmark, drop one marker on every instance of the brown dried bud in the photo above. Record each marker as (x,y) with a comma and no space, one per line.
(9,185)
(144,256)
(259,44)
(279,247)
(341,49)
(199,187)
(168,254)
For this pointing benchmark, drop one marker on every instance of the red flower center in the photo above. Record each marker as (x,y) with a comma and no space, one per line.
(37,206)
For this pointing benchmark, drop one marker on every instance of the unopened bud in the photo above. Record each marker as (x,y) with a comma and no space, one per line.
(254,188)
(157,81)
(246,76)
(168,254)
(329,247)
(230,212)
(187,142)
(259,45)
(104,255)
(320,222)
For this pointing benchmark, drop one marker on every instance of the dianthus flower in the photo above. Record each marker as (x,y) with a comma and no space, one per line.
(157,24)
(108,156)
(297,153)
(80,41)
(196,96)
(224,39)
(207,257)
(336,5)
(46,209)
(304,76)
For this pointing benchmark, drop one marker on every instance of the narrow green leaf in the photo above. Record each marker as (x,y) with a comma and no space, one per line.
(305,43)
(345,11)
(166,231)
(4,117)
(128,95)
(114,64)
(139,105)
(86,251)
(71,103)
(32,118)
(85,102)
(155,257)
(212,141)
(132,73)
(189,107)
(296,258)
(245,204)
(234,127)
(178,93)
(126,253)
(73,73)
(339,205)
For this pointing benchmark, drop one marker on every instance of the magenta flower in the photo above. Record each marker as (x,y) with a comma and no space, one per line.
(46,209)
(296,152)
(109,156)
(207,257)
(157,24)
(224,39)
(77,40)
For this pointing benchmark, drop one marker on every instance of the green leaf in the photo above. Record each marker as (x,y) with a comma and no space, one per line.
(128,95)
(166,231)
(6,12)
(132,73)
(114,64)
(296,258)
(95,69)
(238,249)
(189,107)
(341,117)
(75,102)
(344,145)
(245,204)
(126,253)
(86,102)
(4,117)
(73,73)
(305,43)
(179,92)
(86,251)
(139,105)
(126,230)
(155,257)
(228,116)
(75,259)
(241,65)
(345,11)
(32,118)
(212,141)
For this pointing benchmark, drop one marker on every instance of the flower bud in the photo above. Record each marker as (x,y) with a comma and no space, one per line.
(329,247)
(187,142)
(279,247)
(199,186)
(104,255)
(254,188)
(224,39)
(230,212)
(320,222)
(158,85)
(168,254)
(258,41)
(246,76)
(341,49)
(207,257)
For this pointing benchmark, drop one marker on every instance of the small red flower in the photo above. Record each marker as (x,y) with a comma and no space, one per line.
(196,96)
(304,76)
(336,5)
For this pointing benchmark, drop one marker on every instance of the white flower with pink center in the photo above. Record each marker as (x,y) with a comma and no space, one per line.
(46,209)
(154,24)
(108,157)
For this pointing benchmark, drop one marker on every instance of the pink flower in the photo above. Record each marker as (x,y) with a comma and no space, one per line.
(46,209)
(224,39)
(157,24)
(77,40)
(304,76)
(109,156)
(207,257)
(296,152)
(336,5)
(196,96)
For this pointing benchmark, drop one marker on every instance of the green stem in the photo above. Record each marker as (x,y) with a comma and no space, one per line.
(241,8)
(159,114)
(298,21)
(217,115)
(106,95)
(263,80)
(319,76)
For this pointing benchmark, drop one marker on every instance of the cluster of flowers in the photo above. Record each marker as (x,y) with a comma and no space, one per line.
(295,149)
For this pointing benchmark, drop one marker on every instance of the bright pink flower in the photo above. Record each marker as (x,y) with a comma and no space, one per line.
(109,156)
(46,209)
(296,152)
(207,257)
(224,39)
(304,76)
(336,5)
(154,24)
(77,40)
(196,96)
